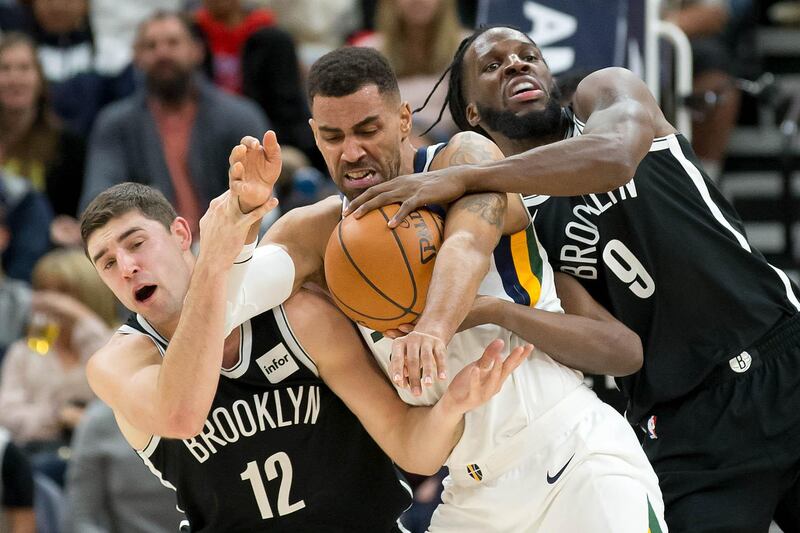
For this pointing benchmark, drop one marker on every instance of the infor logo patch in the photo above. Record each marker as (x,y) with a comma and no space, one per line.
(277,364)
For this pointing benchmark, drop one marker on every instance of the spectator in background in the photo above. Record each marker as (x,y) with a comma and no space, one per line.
(704,22)
(16,489)
(419,38)
(43,387)
(174,134)
(15,297)
(226,26)
(107,488)
(27,217)
(33,143)
(318,26)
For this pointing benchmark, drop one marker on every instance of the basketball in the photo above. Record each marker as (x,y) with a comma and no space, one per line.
(379,276)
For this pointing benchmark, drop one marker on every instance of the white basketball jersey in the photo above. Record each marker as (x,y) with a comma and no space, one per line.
(519,272)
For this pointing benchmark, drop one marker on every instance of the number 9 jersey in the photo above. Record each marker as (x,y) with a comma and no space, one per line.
(668,256)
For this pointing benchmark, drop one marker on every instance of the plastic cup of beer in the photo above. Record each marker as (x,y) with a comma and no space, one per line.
(42,333)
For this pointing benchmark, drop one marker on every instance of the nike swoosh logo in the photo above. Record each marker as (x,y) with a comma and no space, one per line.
(553,479)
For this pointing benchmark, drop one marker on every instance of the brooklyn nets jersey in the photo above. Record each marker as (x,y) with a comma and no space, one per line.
(279,451)
(669,257)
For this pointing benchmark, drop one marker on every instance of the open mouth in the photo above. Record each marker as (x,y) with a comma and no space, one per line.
(145,293)
(525,90)
(362,178)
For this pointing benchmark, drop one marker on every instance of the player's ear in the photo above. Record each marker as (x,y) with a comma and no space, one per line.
(181,231)
(314,130)
(405,119)
(473,116)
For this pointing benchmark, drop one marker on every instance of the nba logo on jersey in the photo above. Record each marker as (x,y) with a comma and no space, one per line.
(651,427)
(277,364)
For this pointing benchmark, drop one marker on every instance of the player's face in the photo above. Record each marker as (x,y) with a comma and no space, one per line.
(143,264)
(508,85)
(20,82)
(360,136)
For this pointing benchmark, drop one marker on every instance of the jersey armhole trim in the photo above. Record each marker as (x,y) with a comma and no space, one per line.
(291,340)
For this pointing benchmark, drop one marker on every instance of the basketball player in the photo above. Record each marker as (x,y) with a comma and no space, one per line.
(651,237)
(247,429)
(544,446)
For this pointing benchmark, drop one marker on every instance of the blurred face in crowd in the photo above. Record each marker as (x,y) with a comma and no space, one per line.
(168,55)
(418,12)
(144,264)
(360,136)
(20,79)
(60,16)
(508,86)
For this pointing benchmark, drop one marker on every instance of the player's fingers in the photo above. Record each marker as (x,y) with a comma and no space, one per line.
(237,153)
(271,146)
(374,203)
(439,356)
(405,209)
(428,364)
(406,328)
(236,171)
(514,359)
(413,364)
(397,363)
(258,213)
(394,333)
(248,141)
(361,199)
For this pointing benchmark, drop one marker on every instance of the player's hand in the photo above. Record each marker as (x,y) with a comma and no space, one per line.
(224,228)
(411,191)
(401,331)
(254,170)
(416,359)
(480,380)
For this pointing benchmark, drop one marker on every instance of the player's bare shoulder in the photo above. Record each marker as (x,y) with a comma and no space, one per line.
(121,356)
(616,85)
(466,148)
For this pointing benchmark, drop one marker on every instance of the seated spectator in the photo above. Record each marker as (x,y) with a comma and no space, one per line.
(33,143)
(15,298)
(65,45)
(16,489)
(174,134)
(107,488)
(26,217)
(226,26)
(43,387)
(704,22)
(419,39)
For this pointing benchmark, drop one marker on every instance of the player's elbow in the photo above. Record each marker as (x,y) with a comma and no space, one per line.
(183,423)
(627,355)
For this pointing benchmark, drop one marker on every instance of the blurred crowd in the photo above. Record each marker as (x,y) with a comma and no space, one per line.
(97,92)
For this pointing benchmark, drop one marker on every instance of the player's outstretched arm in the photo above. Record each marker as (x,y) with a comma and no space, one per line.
(418,439)
(587,338)
(171,396)
(621,117)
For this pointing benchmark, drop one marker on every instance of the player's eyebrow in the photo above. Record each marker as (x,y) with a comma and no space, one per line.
(364,122)
(124,235)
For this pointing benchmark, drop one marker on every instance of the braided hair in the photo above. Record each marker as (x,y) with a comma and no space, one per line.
(456,100)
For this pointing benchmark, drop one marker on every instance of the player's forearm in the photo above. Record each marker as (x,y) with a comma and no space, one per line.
(460,267)
(189,373)
(585,344)
(426,437)
(590,163)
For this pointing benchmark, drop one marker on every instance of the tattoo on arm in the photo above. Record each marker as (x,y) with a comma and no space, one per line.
(470,150)
(489,206)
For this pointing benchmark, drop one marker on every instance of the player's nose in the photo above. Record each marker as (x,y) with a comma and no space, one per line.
(352,150)
(516,65)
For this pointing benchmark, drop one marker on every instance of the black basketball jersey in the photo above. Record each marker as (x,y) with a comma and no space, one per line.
(668,256)
(279,451)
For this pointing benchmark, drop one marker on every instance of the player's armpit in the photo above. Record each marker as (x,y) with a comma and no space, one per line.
(124,374)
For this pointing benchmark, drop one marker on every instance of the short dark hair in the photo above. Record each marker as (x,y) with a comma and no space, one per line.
(346,70)
(123,198)
(162,14)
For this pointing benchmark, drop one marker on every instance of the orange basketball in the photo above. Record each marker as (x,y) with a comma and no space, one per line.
(379,276)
